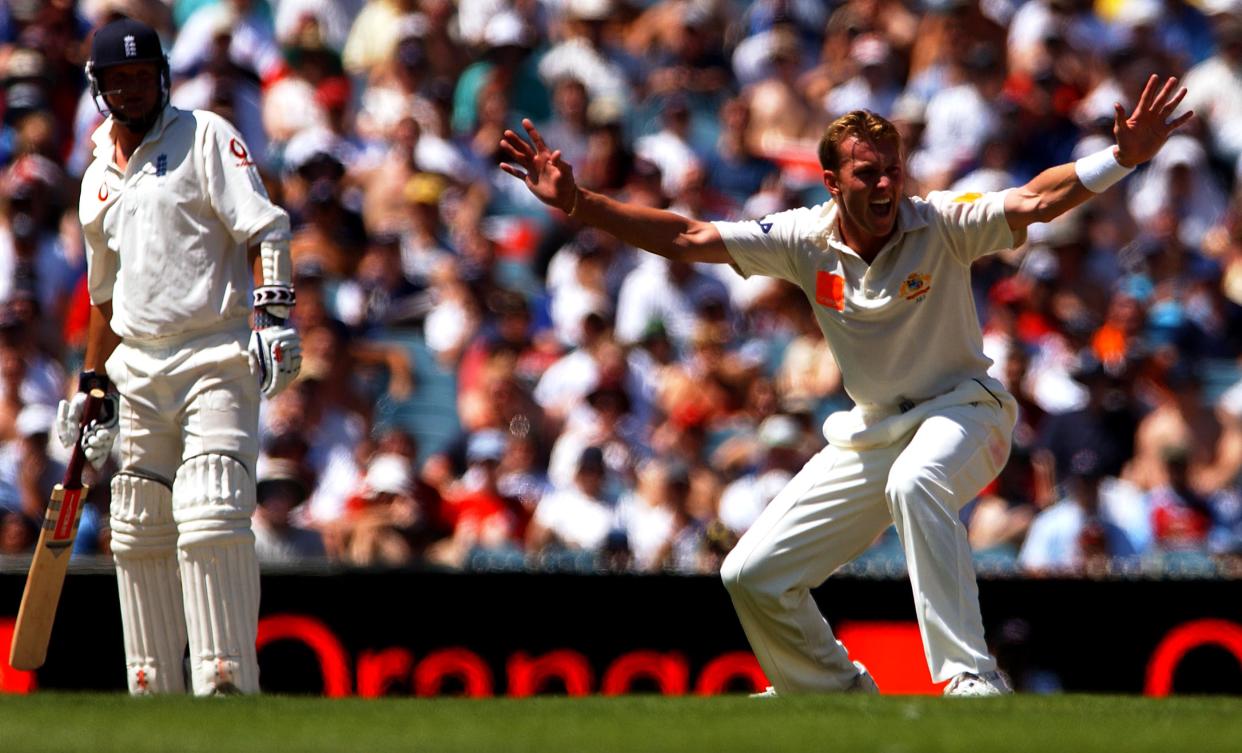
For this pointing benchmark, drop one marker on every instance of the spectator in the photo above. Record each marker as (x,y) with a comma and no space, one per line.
(17,533)
(669,148)
(34,261)
(779,456)
(333,437)
(1075,533)
(280,488)
(575,517)
(1179,422)
(482,519)
(734,168)
(581,52)
(874,87)
(391,519)
(1186,520)
(27,474)
(648,513)
(251,40)
(670,292)
(1105,425)
(1217,90)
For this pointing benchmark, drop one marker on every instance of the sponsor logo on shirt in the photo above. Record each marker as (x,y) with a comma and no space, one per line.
(966,198)
(161,165)
(830,290)
(766,227)
(239,151)
(103,192)
(915,286)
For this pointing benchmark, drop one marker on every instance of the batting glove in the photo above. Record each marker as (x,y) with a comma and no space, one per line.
(277,355)
(97,437)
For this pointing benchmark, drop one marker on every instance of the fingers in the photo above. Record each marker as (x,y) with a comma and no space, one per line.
(519,174)
(1145,97)
(517,144)
(1182,120)
(534,135)
(1171,107)
(518,156)
(1158,103)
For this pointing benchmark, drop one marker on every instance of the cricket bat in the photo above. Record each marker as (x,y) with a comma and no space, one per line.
(51,557)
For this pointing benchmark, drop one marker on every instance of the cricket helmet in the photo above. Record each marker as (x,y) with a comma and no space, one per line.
(122,42)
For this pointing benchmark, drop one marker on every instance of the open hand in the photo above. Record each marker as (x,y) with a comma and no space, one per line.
(1144,132)
(548,177)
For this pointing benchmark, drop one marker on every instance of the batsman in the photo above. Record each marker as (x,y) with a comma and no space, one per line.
(173,213)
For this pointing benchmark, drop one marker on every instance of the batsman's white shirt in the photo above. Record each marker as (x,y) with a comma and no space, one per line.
(903,327)
(167,238)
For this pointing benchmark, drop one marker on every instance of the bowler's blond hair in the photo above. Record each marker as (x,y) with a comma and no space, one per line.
(862,124)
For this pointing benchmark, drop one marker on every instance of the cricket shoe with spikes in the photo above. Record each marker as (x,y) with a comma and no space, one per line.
(971,685)
(862,683)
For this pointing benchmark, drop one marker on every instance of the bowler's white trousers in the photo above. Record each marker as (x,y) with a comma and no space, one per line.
(927,464)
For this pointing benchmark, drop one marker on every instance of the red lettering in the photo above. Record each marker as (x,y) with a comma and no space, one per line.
(669,671)
(527,675)
(465,665)
(12,680)
(893,653)
(378,670)
(1179,641)
(724,669)
(333,661)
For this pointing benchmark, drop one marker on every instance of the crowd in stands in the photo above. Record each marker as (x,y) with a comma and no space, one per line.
(488,385)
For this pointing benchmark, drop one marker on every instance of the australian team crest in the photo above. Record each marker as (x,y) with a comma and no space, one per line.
(915,286)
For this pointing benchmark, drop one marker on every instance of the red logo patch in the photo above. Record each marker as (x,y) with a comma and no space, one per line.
(830,290)
(278,353)
(239,151)
(103,192)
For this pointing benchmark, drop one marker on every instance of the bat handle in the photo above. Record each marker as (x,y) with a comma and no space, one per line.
(77,461)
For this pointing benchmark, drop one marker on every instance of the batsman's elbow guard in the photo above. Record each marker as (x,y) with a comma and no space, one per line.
(276,353)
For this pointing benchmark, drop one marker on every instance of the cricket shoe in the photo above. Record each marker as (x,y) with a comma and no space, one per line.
(971,685)
(862,683)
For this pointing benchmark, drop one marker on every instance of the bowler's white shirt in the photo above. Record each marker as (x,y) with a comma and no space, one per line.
(167,238)
(903,327)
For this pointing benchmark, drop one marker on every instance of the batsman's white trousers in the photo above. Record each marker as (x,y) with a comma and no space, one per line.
(186,397)
(189,425)
(927,464)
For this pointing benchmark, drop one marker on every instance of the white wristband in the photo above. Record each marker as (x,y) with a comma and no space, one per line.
(1099,171)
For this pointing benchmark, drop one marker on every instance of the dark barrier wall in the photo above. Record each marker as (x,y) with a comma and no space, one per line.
(517,634)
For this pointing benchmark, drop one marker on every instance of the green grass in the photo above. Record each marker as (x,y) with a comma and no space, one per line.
(640,724)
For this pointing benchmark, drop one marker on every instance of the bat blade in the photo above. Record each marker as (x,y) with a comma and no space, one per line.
(37,612)
(33,629)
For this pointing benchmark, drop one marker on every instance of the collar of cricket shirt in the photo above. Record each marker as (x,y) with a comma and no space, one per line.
(909,219)
(103,134)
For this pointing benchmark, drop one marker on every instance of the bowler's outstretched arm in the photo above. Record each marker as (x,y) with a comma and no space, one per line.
(551,180)
(1139,137)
